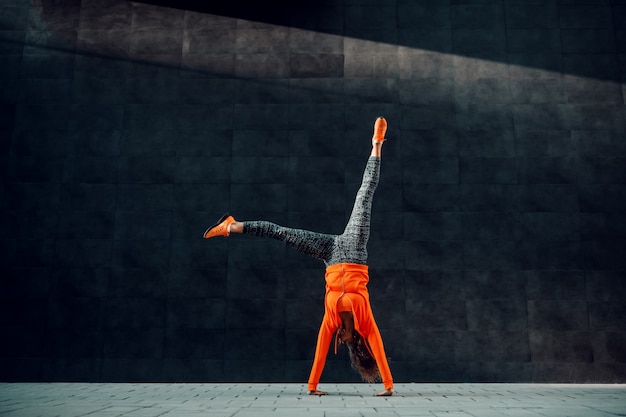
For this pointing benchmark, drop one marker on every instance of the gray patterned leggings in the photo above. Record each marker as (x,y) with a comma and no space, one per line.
(348,247)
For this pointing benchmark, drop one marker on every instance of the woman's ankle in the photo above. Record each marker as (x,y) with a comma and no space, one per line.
(236,227)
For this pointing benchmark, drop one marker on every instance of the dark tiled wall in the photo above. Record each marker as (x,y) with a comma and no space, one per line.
(498,231)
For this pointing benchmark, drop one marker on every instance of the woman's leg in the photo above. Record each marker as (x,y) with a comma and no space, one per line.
(317,245)
(351,246)
(357,230)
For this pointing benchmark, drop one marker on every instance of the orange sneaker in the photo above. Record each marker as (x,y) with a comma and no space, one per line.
(380,128)
(220,228)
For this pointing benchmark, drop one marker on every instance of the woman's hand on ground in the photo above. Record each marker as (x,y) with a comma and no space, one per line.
(385,393)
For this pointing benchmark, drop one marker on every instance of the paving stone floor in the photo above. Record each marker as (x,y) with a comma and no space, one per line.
(345,400)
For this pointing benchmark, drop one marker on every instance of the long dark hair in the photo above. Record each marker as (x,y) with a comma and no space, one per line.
(361,359)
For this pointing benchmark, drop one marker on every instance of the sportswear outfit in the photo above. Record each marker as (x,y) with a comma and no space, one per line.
(345,257)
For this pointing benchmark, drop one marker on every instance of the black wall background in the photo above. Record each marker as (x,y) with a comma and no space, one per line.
(497,248)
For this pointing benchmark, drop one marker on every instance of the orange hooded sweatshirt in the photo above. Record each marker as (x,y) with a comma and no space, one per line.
(348,280)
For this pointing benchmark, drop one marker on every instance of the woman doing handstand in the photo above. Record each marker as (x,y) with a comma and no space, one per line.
(347,307)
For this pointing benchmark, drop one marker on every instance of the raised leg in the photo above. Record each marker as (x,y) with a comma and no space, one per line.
(317,245)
